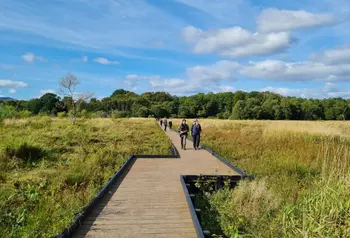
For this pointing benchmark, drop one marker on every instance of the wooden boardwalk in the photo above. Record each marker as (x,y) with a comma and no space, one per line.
(149,201)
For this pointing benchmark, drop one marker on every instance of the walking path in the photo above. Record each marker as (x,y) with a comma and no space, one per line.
(149,200)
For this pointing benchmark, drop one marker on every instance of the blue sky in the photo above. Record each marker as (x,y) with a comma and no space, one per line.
(297,48)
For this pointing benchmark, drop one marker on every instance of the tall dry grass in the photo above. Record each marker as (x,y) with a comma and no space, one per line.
(50,169)
(306,169)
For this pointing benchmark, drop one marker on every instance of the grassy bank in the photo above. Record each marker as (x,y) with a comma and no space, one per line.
(50,169)
(302,184)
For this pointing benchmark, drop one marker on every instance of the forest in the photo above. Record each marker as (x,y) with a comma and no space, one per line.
(228,105)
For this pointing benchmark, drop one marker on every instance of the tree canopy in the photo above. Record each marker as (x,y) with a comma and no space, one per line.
(228,105)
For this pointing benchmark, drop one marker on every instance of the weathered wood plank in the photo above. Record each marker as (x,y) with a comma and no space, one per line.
(150,201)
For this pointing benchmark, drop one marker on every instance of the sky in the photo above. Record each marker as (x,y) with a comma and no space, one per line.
(294,48)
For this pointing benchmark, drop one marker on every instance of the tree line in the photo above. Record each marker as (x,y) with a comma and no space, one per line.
(228,105)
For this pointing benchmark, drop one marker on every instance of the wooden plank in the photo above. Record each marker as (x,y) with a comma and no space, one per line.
(150,201)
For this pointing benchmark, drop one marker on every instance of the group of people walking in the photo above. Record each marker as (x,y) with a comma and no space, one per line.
(184,129)
(196,130)
(164,122)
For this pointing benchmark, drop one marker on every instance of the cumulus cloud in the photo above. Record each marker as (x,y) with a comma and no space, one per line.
(337,55)
(329,90)
(296,71)
(105,61)
(13,84)
(261,44)
(275,20)
(210,41)
(31,58)
(12,90)
(221,70)
(236,41)
(208,78)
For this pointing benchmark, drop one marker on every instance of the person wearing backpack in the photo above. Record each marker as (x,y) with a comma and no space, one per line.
(196,130)
(183,130)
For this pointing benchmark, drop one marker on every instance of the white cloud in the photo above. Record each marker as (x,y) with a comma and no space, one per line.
(30,57)
(44,91)
(261,45)
(236,41)
(296,71)
(337,55)
(14,84)
(198,78)
(208,42)
(275,20)
(221,70)
(330,90)
(105,61)
(12,90)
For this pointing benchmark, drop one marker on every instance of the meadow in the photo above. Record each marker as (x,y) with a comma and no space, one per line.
(302,179)
(50,169)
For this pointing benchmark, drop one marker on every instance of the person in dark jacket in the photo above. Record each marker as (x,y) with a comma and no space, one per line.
(165,124)
(196,130)
(183,130)
(170,124)
(161,122)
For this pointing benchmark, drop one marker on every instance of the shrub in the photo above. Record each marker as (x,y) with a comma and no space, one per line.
(25,114)
(7,111)
(118,114)
(99,114)
(62,114)
(84,114)
(245,209)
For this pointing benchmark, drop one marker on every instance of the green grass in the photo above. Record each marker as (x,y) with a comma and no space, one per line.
(50,169)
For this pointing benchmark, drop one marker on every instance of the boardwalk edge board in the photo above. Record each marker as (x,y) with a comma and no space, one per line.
(68,231)
(188,180)
(197,225)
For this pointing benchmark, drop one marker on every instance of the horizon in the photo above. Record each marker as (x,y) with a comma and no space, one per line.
(182,47)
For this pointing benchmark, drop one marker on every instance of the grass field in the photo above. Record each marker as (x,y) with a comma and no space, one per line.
(302,185)
(50,169)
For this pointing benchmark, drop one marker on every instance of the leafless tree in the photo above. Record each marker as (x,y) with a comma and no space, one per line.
(68,86)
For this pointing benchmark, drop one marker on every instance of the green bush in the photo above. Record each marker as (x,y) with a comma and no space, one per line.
(119,114)
(7,111)
(246,209)
(99,114)
(62,114)
(84,114)
(25,114)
